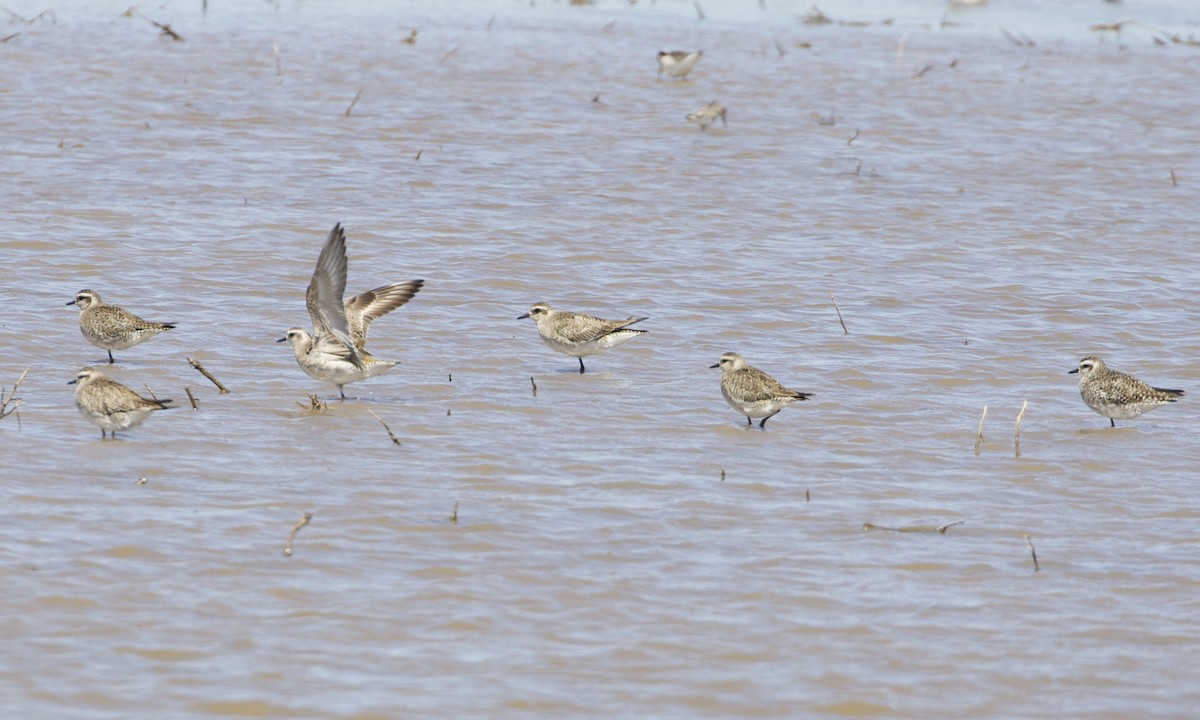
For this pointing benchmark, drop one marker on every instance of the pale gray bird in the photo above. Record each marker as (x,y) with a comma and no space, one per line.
(677,63)
(580,335)
(336,350)
(111,328)
(1118,395)
(110,405)
(751,391)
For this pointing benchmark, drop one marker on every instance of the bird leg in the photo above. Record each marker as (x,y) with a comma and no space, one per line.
(1114,422)
(763,425)
(110,358)
(580,366)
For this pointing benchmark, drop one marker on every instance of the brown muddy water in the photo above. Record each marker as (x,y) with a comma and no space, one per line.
(985,211)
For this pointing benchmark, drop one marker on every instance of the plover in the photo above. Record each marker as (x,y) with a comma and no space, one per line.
(1118,395)
(111,328)
(336,350)
(110,405)
(751,391)
(677,63)
(580,335)
(708,115)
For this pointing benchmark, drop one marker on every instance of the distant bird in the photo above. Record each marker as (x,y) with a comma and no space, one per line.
(110,405)
(1118,395)
(708,115)
(111,328)
(336,351)
(677,63)
(580,335)
(751,391)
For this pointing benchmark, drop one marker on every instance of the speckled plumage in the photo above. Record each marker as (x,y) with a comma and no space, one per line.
(1116,394)
(677,63)
(110,327)
(110,405)
(751,391)
(580,335)
(708,115)
(336,350)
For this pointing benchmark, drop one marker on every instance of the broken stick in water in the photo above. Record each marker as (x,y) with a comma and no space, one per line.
(287,550)
(979,435)
(454,513)
(191,398)
(392,435)
(1032,552)
(196,364)
(353,102)
(1017,432)
(839,313)
(939,529)
(531,382)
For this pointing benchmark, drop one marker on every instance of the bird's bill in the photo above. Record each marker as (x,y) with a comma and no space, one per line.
(72,382)
(282,339)
(72,303)
(1072,372)
(522,317)
(714,365)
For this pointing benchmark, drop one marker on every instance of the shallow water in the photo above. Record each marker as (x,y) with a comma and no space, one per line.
(981,226)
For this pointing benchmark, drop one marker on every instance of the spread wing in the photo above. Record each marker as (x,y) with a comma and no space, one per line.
(364,308)
(578,328)
(331,333)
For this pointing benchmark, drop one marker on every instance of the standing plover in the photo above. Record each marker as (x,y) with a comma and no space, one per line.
(708,115)
(751,391)
(580,335)
(677,63)
(110,405)
(336,350)
(1118,395)
(111,328)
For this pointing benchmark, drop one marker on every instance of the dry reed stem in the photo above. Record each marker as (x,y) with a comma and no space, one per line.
(151,391)
(12,399)
(1033,554)
(531,382)
(196,364)
(852,139)
(1174,180)
(1017,431)
(722,475)
(315,404)
(1023,42)
(418,157)
(807,497)
(979,435)
(287,549)
(353,102)
(392,435)
(699,11)
(454,513)
(163,29)
(191,398)
(449,377)
(839,313)
(278,64)
(6,38)
(412,37)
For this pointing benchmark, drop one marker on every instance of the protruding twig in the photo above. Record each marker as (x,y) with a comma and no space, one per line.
(722,475)
(196,364)
(287,549)
(1174,180)
(979,435)
(699,10)
(353,102)
(454,513)
(453,51)
(839,313)
(942,529)
(392,435)
(412,37)
(1033,553)
(855,137)
(191,398)
(418,157)
(1026,42)
(163,29)
(921,73)
(807,497)
(315,404)
(12,399)
(151,391)
(1017,431)
(831,118)
(278,64)
(531,382)
(449,377)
